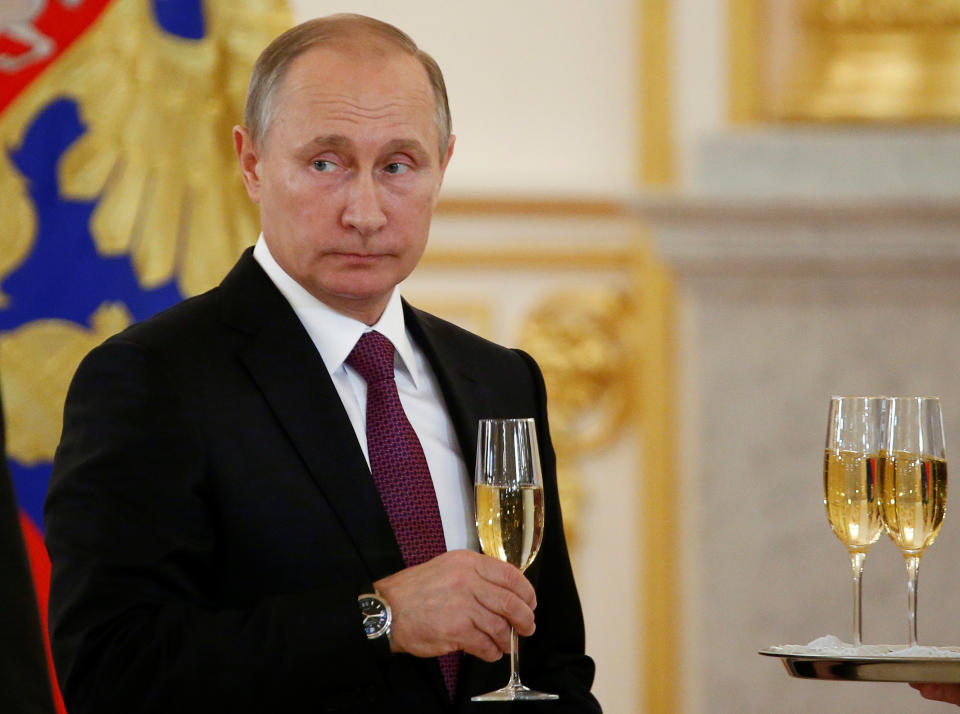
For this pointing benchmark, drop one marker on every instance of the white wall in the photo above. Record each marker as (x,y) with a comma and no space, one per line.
(541,92)
(700,75)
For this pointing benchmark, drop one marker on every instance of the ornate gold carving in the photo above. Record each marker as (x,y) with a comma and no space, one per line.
(39,360)
(876,60)
(581,343)
(874,14)
(157,150)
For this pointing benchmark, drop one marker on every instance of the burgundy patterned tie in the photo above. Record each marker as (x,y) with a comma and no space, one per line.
(399,468)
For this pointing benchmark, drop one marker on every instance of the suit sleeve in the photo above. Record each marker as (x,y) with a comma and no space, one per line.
(24,682)
(553,659)
(135,618)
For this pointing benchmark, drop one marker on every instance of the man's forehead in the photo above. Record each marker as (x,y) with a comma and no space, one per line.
(337,88)
(329,85)
(359,68)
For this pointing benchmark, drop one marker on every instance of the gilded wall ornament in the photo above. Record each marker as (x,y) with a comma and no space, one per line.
(875,61)
(582,340)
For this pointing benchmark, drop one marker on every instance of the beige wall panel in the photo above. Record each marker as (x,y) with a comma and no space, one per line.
(542,93)
(699,75)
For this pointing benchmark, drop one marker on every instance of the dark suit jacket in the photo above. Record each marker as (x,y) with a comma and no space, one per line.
(24,684)
(211,521)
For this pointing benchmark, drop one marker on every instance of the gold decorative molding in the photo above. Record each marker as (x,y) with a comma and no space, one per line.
(569,258)
(745,31)
(660,497)
(871,61)
(516,252)
(580,343)
(541,206)
(655,62)
(589,366)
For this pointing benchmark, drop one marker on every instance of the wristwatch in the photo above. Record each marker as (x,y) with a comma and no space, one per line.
(376,615)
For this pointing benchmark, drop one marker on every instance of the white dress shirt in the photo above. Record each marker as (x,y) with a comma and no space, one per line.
(334,336)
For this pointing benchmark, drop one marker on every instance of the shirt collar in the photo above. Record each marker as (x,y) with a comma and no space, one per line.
(333,333)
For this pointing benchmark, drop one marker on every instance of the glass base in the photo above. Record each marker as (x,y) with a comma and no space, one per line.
(514,693)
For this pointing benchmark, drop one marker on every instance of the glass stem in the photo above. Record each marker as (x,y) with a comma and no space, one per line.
(514,682)
(913,570)
(856,560)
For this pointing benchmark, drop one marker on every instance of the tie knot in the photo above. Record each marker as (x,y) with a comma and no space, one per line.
(372,357)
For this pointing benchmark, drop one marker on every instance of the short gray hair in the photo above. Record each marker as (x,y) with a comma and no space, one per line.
(273,62)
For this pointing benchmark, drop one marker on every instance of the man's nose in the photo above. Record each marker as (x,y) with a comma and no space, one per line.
(363,211)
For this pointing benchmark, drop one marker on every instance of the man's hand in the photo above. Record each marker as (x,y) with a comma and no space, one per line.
(949,693)
(460,600)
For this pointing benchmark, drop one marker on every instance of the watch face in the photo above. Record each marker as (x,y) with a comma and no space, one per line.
(374,616)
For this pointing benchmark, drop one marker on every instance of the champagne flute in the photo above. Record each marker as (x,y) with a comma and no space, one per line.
(855,428)
(913,485)
(509,491)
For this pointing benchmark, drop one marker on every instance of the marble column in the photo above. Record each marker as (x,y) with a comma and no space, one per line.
(808,263)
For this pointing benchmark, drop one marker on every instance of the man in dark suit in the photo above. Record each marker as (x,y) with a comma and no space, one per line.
(24,683)
(222,532)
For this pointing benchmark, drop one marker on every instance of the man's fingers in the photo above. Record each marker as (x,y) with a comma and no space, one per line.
(509,577)
(458,600)
(510,608)
(488,638)
(495,627)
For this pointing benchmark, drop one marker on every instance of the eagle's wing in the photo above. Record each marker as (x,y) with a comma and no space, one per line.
(156,155)
(157,149)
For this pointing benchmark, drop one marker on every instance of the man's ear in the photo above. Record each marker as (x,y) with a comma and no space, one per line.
(444,160)
(249,160)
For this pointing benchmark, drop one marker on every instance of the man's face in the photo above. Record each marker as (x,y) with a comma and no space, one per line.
(348,174)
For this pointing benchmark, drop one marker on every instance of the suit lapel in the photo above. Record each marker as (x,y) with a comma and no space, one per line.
(459,379)
(467,402)
(285,366)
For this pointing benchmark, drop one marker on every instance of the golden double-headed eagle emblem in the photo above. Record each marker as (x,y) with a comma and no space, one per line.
(155,156)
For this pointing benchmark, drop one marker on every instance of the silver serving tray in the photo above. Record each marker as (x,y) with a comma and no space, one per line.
(870,669)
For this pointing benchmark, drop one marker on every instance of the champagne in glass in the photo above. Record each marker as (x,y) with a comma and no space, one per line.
(854,438)
(510,522)
(509,490)
(913,485)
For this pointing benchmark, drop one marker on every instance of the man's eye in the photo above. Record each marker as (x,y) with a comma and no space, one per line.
(396,168)
(324,165)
